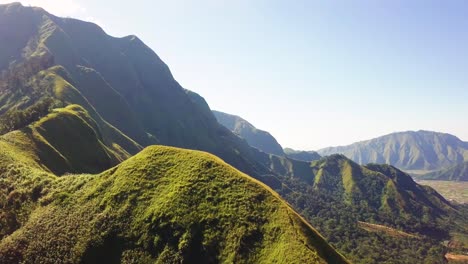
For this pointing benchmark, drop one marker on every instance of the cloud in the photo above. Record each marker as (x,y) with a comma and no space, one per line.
(62,8)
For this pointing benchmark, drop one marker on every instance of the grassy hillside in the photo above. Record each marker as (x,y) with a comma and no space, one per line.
(122,82)
(341,194)
(257,138)
(420,150)
(382,189)
(128,98)
(35,96)
(164,205)
(457,172)
(67,140)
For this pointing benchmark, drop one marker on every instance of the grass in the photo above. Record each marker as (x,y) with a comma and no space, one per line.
(145,83)
(102,144)
(164,205)
(51,143)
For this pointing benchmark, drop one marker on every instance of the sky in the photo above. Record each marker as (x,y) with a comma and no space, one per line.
(313,73)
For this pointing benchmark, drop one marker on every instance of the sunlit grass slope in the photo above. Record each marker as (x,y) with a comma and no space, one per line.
(66,140)
(166,205)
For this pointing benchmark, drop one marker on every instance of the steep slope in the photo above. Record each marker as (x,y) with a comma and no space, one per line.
(124,82)
(342,194)
(420,150)
(257,138)
(67,140)
(457,172)
(301,154)
(164,204)
(35,96)
(134,100)
(382,188)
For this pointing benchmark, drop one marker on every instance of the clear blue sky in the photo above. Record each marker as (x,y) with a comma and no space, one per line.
(313,73)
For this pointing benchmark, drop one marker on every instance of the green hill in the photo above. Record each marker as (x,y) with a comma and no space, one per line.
(257,138)
(420,150)
(302,155)
(381,189)
(121,80)
(75,100)
(342,194)
(54,138)
(164,204)
(457,172)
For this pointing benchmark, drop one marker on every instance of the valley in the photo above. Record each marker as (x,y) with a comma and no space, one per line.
(105,157)
(451,190)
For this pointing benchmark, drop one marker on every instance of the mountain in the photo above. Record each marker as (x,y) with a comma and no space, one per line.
(162,205)
(302,155)
(411,150)
(343,196)
(457,172)
(121,80)
(261,139)
(256,138)
(379,188)
(75,103)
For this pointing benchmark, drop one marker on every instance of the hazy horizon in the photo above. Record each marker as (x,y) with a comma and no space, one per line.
(314,74)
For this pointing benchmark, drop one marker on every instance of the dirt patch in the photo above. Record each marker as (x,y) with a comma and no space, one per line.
(455,258)
(384,229)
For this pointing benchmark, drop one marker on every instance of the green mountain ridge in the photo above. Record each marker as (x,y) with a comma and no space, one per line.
(343,194)
(127,99)
(392,190)
(126,83)
(143,209)
(302,155)
(411,150)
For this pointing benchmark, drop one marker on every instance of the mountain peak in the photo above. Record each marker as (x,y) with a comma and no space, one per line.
(12,5)
(408,150)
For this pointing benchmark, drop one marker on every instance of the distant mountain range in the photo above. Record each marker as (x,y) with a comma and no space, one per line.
(302,155)
(414,151)
(256,138)
(411,150)
(261,139)
(79,111)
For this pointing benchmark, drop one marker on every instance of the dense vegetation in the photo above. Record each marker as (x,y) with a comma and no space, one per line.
(335,211)
(302,155)
(412,150)
(164,205)
(117,96)
(21,100)
(337,222)
(15,119)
